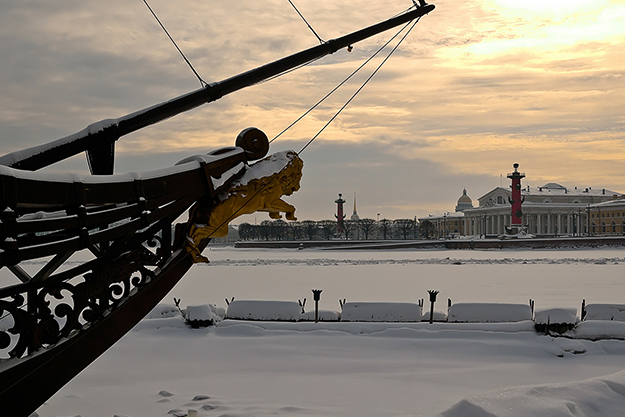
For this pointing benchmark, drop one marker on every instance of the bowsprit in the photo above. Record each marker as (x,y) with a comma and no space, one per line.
(58,320)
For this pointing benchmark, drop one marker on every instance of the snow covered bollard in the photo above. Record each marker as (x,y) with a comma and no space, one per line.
(381,312)
(321,315)
(202,316)
(611,312)
(489,313)
(555,320)
(437,316)
(264,310)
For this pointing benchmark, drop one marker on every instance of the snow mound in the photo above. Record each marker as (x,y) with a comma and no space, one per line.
(203,315)
(614,312)
(489,313)
(263,310)
(324,315)
(385,312)
(596,397)
(600,329)
(438,316)
(556,315)
(163,311)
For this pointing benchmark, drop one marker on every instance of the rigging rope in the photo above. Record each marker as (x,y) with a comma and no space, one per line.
(340,84)
(361,87)
(202,82)
(313,60)
(288,71)
(306,21)
(414,23)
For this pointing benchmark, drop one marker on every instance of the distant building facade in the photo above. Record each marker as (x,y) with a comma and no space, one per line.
(608,218)
(549,210)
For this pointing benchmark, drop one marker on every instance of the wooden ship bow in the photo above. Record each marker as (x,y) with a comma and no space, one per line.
(57,320)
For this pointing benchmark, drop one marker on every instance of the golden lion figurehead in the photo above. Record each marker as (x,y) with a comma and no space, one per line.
(259,189)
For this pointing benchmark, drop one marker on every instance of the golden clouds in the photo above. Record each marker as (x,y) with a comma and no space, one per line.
(476,85)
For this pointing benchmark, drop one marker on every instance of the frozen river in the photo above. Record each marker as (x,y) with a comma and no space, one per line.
(555,278)
(254,369)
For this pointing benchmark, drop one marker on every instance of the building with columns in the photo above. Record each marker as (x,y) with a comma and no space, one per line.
(548,210)
(608,218)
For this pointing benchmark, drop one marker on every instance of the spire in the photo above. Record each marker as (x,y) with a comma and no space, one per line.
(354,214)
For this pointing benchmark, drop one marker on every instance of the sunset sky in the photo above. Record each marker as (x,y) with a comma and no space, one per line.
(477,86)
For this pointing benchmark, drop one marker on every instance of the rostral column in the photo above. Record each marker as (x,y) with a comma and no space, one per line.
(339,213)
(516,201)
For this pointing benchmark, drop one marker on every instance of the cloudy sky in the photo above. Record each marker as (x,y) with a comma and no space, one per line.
(477,86)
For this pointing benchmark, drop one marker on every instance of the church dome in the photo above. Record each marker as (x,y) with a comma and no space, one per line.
(464,202)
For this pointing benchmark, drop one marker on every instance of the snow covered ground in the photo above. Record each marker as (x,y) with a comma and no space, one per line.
(241,368)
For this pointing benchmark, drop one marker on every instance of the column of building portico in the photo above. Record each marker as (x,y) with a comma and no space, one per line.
(556,224)
(559,226)
(539,224)
(536,223)
(549,224)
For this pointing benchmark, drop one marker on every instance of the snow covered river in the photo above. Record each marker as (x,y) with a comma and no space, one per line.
(164,368)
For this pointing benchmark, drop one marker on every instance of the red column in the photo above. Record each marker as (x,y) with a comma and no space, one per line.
(516,201)
(339,213)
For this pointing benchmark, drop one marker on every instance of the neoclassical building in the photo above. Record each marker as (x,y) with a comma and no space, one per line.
(608,217)
(549,210)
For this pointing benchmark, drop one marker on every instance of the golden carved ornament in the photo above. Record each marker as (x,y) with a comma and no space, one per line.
(260,189)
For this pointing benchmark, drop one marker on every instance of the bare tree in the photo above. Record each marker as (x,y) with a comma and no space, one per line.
(367,226)
(426,229)
(247,231)
(384,226)
(348,227)
(294,230)
(309,229)
(264,230)
(404,226)
(327,228)
(279,229)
